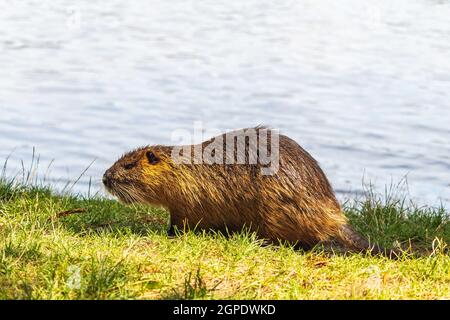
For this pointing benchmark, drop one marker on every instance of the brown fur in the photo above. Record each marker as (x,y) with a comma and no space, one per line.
(296,205)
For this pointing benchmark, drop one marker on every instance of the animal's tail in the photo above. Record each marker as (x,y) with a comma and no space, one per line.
(353,241)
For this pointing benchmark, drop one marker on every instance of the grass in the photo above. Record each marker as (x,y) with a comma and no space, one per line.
(71,247)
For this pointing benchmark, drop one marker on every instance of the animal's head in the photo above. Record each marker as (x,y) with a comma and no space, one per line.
(140,176)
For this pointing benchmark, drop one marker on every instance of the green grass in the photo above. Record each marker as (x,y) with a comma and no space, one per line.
(111,251)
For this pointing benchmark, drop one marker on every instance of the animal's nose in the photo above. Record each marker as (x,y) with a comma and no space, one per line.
(107,178)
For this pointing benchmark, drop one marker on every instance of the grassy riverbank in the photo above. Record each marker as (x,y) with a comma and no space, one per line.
(67,247)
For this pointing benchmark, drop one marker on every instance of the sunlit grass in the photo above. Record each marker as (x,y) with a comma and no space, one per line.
(110,251)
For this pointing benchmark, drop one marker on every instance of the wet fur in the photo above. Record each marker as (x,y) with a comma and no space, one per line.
(296,205)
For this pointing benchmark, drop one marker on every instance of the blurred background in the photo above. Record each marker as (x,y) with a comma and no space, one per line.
(364,86)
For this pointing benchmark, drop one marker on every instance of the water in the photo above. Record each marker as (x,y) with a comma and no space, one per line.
(363,85)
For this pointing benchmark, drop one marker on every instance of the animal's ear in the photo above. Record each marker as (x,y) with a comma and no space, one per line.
(152,157)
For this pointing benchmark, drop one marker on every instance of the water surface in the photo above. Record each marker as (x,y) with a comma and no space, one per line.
(363,85)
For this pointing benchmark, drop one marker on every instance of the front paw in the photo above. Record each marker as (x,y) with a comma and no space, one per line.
(171,232)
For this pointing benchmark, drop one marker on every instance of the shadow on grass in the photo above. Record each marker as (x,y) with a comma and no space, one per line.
(193,287)
(98,215)
(83,215)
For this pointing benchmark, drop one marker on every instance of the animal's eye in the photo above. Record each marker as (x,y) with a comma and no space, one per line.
(129,166)
(152,158)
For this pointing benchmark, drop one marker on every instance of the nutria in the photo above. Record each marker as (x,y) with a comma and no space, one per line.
(295,203)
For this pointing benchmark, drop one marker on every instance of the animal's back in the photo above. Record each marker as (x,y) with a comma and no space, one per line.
(296,203)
